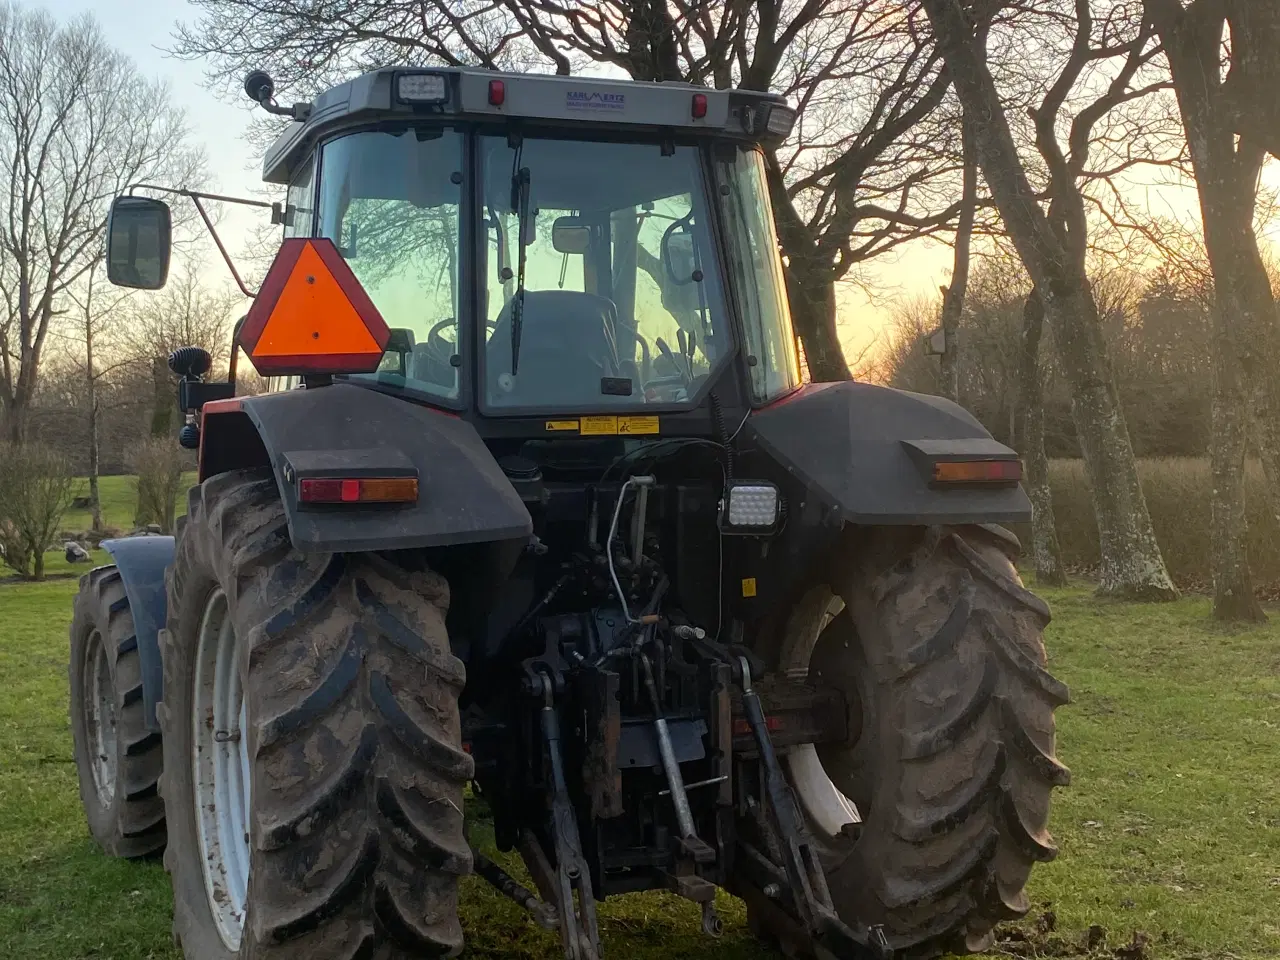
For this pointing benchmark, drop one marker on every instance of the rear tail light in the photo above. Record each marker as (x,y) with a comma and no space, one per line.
(699,106)
(358,490)
(497,93)
(741,727)
(977,471)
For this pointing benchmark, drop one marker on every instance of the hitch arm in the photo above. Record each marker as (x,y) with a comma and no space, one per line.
(579,931)
(804,874)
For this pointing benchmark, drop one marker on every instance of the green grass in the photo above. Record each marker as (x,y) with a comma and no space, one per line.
(119,497)
(1172,825)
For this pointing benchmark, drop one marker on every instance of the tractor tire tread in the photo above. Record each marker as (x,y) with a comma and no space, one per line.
(133,824)
(967,739)
(356,828)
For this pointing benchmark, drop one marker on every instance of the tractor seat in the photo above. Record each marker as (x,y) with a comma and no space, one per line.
(567,344)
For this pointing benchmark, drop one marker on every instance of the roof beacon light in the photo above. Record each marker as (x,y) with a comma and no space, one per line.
(312,316)
(421,88)
(497,93)
(699,106)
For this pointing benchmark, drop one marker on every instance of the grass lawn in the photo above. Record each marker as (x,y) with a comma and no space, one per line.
(1172,825)
(119,496)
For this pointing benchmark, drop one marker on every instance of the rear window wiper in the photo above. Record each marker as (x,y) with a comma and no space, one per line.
(521,181)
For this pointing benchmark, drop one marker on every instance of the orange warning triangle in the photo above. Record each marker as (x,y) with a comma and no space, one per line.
(312,316)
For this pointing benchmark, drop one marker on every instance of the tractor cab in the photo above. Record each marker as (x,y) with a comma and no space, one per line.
(542,246)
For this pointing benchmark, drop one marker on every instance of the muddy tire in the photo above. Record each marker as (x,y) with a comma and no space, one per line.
(352,742)
(117,758)
(951,761)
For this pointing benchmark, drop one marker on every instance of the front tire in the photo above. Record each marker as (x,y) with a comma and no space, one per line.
(351,735)
(939,650)
(117,758)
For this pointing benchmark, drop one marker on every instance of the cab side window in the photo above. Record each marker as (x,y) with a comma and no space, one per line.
(300,206)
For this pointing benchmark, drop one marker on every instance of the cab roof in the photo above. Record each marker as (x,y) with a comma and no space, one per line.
(412,93)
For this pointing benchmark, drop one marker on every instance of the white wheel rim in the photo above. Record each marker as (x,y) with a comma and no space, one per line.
(220,770)
(99,701)
(828,808)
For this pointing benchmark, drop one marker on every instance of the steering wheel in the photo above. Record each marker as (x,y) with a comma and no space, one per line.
(437,347)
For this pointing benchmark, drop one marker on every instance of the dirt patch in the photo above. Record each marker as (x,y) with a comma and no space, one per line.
(1038,936)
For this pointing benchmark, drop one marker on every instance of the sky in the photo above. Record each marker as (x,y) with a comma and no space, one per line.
(220,126)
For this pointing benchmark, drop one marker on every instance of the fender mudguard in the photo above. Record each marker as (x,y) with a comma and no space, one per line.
(463,495)
(864,450)
(142,562)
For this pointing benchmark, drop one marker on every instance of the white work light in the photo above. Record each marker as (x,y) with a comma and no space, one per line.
(750,507)
(421,88)
(781,120)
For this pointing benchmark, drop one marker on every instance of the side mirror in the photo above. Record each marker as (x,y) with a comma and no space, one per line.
(569,235)
(139,241)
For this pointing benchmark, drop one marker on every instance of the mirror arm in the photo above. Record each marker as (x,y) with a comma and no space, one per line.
(221,249)
(195,196)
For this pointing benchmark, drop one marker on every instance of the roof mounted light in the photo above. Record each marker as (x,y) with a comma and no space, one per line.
(699,108)
(421,88)
(779,120)
(497,93)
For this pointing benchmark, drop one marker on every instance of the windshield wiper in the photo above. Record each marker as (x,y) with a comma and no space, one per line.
(520,183)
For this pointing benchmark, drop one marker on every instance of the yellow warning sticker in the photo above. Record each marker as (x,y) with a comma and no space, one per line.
(748,586)
(637,425)
(599,426)
(562,426)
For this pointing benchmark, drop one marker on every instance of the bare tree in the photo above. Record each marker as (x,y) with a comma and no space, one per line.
(1227,168)
(1132,565)
(953,294)
(860,177)
(96,304)
(185,313)
(77,125)
(35,491)
(1045,550)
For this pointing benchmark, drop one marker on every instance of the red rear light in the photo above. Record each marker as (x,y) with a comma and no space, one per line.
(741,727)
(977,471)
(497,93)
(367,490)
(699,106)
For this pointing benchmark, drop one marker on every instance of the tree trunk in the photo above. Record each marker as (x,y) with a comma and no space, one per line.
(15,421)
(1233,597)
(1244,316)
(91,385)
(1132,567)
(1266,436)
(812,295)
(1045,549)
(162,398)
(811,289)
(954,294)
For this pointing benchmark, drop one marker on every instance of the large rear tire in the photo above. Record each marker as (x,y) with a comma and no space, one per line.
(950,763)
(117,758)
(349,724)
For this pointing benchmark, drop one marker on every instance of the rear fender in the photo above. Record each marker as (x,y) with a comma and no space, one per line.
(142,562)
(865,451)
(463,495)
